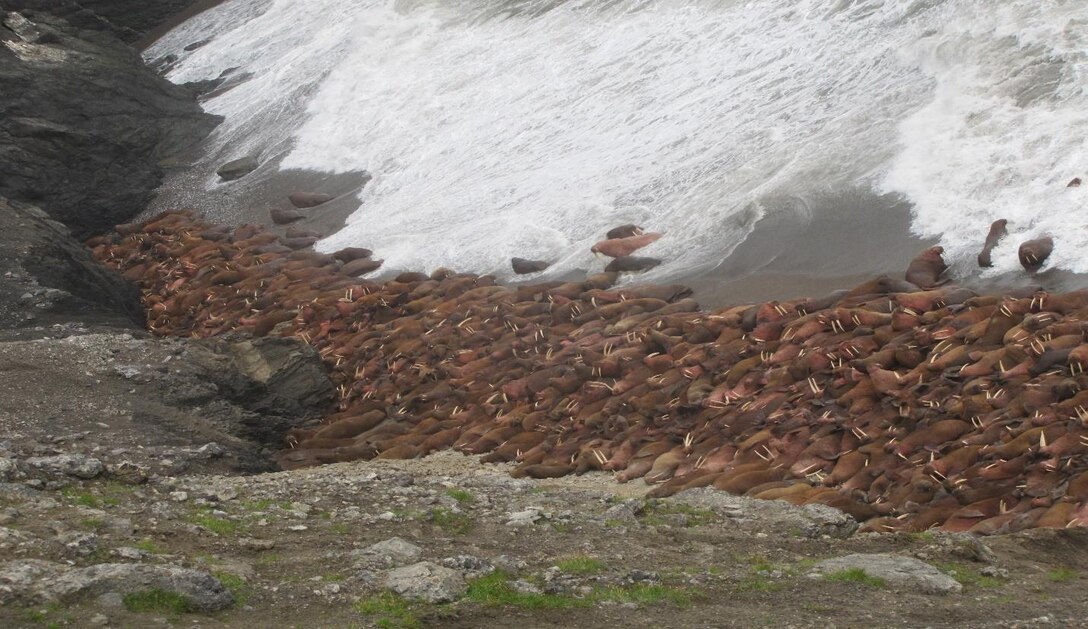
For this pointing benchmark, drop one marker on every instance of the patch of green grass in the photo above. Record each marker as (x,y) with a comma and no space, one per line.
(392,611)
(215,524)
(148,546)
(969,576)
(495,590)
(581,564)
(267,559)
(646,594)
(560,527)
(51,615)
(613,524)
(236,584)
(450,521)
(340,528)
(1061,575)
(157,600)
(656,513)
(257,505)
(856,575)
(461,495)
(93,524)
(923,536)
(332,578)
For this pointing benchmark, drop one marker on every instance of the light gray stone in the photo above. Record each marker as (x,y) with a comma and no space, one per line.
(36,581)
(528,517)
(77,465)
(392,552)
(898,571)
(426,581)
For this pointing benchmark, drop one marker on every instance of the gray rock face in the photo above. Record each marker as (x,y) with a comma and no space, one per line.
(901,572)
(77,465)
(128,20)
(238,168)
(35,581)
(426,581)
(85,144)
(48,278)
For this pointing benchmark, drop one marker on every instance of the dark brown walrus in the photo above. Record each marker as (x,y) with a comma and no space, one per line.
(997,232)
(925,271)
(1034,253)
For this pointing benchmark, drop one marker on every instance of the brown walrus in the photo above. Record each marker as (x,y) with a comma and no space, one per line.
(1034,253)
(619,247)
(998,231)
(926,269)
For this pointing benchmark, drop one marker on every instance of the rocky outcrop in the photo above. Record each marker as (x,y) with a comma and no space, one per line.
(83,122)
(129,20)
(49,279)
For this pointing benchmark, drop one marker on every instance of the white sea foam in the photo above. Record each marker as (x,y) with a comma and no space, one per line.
(529,127)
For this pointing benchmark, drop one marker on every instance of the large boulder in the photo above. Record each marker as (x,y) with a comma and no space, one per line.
(905,573)
(84,123)
(49,279)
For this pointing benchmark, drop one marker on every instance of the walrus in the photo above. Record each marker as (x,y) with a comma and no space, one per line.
(350,254)
(630,264)
(281,216)
(309,199)
(295,232)
(361,267)
(926,269)
(619,247)
(523,267)
(624,231)
(998,231)
(1034,253)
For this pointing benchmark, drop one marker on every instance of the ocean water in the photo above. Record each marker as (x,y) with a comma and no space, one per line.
(500,128)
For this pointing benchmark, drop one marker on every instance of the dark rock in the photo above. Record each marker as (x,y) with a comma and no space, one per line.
(629,264)
(624,231)
(85,144)
(128,20)
(350,254)
(1034,253)
(524,267)
(281,216)
(39,258)
(361,267)
(309,199)
(238,168)
(1075,183)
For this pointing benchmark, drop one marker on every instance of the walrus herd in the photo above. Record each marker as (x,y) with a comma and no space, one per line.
(907,407)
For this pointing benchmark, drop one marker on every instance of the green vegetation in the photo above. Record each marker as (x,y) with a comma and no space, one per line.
(148,546)
(236,584)
(657,513)
(52,616)
(392,611)
(968,577)
(450,521)
(93,524)
(495,590)
(460,495)
(856,575)
(257,505)
(340,528)
(215,524)
(580,565)
(157,600)
(1061,575)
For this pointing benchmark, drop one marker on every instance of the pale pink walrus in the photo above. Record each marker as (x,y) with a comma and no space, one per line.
(619,247)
